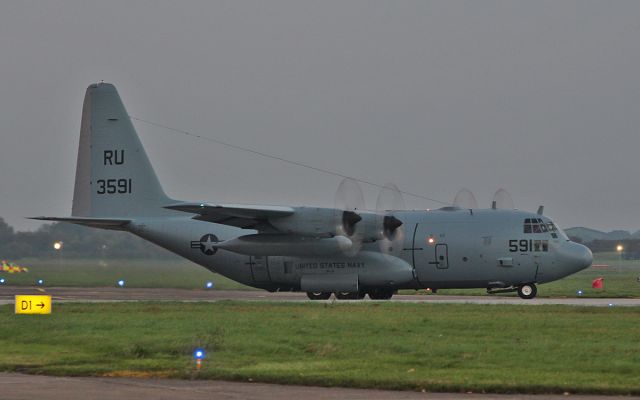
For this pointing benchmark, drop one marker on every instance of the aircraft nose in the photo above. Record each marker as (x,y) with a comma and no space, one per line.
(581,257)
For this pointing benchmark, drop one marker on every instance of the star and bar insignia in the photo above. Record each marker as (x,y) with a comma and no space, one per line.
(206,244)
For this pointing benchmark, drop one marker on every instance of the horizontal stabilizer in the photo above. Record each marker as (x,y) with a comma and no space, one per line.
(103,223)
(241,216)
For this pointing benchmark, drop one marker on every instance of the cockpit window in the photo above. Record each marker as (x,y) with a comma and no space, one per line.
(527,225)
(537,225)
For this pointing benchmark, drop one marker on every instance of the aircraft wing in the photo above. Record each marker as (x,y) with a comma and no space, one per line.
(241,216)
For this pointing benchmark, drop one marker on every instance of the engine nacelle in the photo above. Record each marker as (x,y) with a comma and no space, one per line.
(316,221)
(275,244)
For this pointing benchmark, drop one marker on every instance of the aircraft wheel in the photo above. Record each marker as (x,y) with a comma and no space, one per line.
(381,294)
(349,295)
(318,295)
(527,291)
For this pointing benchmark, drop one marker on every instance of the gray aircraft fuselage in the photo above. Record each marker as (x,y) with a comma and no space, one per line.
(450,248)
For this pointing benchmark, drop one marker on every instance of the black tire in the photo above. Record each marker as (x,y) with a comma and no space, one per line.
(349,295)
(527,291)
(381,294)
(318,295)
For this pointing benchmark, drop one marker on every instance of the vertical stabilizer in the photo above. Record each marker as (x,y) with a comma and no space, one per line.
(114,177)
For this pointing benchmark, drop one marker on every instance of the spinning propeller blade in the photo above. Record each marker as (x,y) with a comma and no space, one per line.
(389,228)
(502,200)
(349,201)
(465,199)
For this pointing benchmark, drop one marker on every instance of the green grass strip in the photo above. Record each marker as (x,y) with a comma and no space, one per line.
(435,347)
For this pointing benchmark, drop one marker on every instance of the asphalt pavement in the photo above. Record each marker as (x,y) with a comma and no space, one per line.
(29,387)
(106,294)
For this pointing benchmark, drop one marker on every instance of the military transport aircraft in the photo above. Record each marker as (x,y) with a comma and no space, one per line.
(347,250)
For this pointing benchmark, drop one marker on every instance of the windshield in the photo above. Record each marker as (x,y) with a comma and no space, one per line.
(538,225)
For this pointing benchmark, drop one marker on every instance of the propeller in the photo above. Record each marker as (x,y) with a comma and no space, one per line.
(502,199)
(389,227)
(465,199)
(349,201)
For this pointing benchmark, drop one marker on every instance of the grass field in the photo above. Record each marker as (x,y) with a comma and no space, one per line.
(436,347)
(621,277)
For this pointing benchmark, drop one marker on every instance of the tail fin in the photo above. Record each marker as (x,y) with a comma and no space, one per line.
(114,177)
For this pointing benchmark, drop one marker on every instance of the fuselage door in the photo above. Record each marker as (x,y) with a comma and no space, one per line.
(260,268)
(431,253)
(442,256)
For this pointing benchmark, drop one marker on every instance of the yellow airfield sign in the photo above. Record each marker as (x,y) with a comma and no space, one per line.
(33,304)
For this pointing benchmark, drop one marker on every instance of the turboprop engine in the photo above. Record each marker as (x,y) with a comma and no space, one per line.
(342,229)
(311,231)
(275,244)
(309,221)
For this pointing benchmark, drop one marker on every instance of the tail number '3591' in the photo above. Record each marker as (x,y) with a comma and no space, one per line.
(113,186)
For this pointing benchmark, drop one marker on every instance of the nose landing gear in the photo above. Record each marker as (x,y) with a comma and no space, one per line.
(526,291)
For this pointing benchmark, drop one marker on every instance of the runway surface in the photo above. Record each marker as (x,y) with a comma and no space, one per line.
(106,294)
(29,387)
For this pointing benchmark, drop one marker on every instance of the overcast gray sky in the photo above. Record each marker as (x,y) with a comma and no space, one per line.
(541,98)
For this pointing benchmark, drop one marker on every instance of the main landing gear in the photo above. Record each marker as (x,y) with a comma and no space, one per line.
(381,294)
(349,295)
(319,295)
(374,294)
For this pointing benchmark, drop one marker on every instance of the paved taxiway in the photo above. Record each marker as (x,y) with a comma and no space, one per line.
(68,294)
(29,387)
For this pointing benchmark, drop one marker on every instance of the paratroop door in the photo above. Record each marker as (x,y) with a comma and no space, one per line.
(260,269)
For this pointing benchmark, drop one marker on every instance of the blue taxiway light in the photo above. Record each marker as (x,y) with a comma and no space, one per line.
(209,285)
(2,281)
(121,283)
(579,292)
(40,282)
(199,354)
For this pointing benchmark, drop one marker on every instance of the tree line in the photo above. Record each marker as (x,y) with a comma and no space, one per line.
(77,242)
